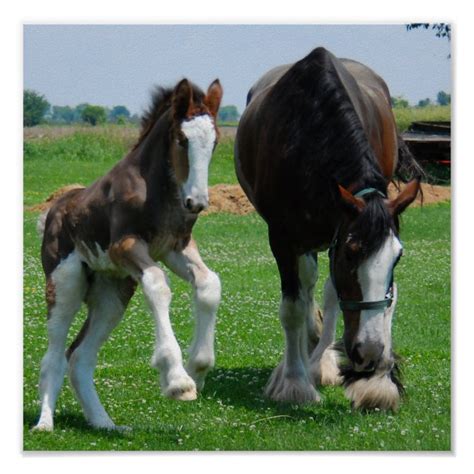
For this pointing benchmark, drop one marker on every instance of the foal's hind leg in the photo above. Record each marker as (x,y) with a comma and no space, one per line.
(107,300)
(188,265)
(66,288)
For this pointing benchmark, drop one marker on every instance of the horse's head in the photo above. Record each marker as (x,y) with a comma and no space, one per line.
(363,256)
(194,137)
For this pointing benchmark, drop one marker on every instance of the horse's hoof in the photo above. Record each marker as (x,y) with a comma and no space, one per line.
(326,370)
(282,388)
(374,392)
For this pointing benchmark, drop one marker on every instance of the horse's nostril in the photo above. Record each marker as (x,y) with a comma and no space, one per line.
(355,356)
(189,203)
(370,366)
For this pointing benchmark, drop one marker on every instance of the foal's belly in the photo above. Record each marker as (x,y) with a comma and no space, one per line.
(98,259)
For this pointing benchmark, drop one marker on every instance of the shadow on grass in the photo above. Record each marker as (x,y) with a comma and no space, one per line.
(244,387)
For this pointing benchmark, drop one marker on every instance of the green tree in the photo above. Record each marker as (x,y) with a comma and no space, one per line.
(228,113)
(35,106)
(119,113)
(399,102)
(443,30)
(424,102)
(443,98)
(62,114)
(94,114)
(78,111)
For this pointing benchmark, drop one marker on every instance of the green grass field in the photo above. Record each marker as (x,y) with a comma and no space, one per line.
(231,413)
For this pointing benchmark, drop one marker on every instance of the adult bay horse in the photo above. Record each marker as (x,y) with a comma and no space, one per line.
(100,241)
(315,150)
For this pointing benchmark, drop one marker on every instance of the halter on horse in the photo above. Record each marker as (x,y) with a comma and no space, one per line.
(315,150)
(100,241)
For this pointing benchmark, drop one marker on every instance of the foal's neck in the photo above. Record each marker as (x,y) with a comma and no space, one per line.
(154,159)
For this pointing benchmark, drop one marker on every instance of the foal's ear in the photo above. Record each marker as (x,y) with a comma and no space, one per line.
(182,98)
(405,198)
(213,97)
(351,203)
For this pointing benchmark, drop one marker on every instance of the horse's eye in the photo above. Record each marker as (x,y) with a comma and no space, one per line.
(352,249)
(183,142)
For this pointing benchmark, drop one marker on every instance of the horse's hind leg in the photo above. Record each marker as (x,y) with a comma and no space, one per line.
(324,360)
(66,287)
(188,265)
(106,300)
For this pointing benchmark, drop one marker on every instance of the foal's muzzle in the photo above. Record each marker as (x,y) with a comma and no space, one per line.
(196,205)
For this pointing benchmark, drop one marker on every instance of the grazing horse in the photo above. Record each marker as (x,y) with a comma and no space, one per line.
(315,150)
(100,241)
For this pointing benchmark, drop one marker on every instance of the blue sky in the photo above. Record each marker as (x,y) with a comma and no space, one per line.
(119,64)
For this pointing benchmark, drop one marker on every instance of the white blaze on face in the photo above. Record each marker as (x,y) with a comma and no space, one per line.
(201,136)
(374,276)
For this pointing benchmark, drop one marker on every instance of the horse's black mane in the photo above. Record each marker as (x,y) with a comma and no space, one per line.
(373,224)
(328,143)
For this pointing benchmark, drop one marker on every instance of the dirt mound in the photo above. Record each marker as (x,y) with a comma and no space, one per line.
(42,206)
(228,198)
(231,198)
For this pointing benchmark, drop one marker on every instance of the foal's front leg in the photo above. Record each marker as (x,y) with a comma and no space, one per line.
(133,254)
(188,265)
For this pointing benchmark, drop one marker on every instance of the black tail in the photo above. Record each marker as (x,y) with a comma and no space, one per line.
(407,167)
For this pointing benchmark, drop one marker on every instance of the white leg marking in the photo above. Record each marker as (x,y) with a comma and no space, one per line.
(105,312)
(290,380)
(70,286)
(207,293)
(174,380)
(324,360)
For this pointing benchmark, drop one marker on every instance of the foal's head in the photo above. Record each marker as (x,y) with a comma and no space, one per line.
(193,139)
(364,254)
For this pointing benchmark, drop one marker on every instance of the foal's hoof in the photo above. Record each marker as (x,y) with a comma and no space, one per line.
(183,390)
(42,427)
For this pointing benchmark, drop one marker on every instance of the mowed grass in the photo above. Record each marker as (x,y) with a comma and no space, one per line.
(231,413)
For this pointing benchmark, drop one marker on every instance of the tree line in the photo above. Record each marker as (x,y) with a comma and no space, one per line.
(37,109)
(442,98)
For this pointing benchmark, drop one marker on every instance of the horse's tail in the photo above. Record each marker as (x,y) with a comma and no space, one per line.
(46,206)
(407,166)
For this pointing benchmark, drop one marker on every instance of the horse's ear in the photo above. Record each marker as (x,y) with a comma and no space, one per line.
(350,202)
(213,97)
(182,98)
(405,198)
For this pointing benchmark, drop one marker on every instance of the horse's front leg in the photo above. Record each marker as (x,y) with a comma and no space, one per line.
(324,362)
(133,254)
(188,265)
(290,381)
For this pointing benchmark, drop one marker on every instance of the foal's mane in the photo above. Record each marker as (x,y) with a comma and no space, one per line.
(161,101)
(329,145)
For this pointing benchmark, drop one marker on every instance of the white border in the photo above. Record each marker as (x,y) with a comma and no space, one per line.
(208,11)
